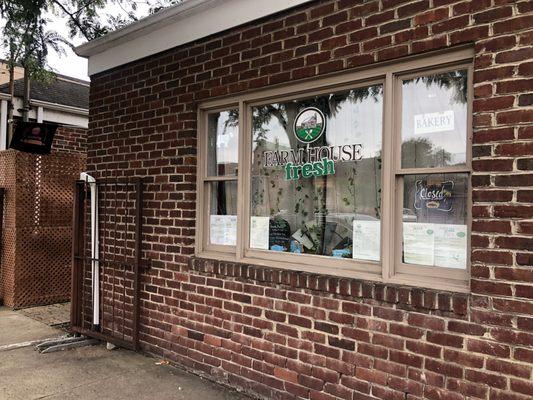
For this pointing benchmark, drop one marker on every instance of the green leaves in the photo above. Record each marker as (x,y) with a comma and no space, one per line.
(27,36)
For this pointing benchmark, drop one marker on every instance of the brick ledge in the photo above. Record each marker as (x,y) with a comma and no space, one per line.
(405,297)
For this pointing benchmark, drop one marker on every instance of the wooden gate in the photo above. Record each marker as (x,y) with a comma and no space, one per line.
(107,307)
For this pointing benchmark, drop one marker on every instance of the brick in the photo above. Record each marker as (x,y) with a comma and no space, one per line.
(424,348)
(514,180)
(286,375)
(508,368)
(513,86)
(491,380)
(513,24)
(371,375)
(463,358)
(426,322)
(446,369)
(468,35)
(523,387)
(499,43)
(341,343)
(445,339)
(487,347)
(493,134)
(409,359)
(515,149)
(514,55)
(434,15)
(397,25)
(493,15)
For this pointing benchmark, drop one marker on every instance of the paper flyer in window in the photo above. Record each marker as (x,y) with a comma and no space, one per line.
(259,232)
(434,122)
(450,245)
(366,240)
(418,243)
(223,230)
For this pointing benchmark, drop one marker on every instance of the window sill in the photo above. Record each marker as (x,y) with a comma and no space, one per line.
(220,261)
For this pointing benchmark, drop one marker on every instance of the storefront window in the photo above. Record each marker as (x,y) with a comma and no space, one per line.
(365,174)
(223,143)
(434,135)
(316,175)
(434,115)
(221,178)
(223,213)
(435,220)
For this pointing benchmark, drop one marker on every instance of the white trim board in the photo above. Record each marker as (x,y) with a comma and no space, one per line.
(184,23)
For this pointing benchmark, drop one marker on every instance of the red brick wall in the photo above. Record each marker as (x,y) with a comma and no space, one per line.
(69,139)
(284,334)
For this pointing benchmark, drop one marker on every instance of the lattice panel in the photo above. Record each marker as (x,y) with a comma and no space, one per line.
(8,181)
(38,226)
(7,267)
(43,265)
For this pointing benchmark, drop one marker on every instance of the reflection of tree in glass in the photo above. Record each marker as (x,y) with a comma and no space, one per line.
(310,194)
(456,80)
(423,152)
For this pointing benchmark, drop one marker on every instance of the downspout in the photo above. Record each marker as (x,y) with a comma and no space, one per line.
(3,124)
(95,264)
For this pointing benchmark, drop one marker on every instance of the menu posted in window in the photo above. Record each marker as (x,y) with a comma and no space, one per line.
(223,230)
(366,240)
(440,245)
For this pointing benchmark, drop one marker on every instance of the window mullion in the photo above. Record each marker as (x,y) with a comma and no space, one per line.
(222,178)
(387,187)
(436,170)
(242,171)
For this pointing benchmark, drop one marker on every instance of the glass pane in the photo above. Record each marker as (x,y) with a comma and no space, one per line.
(223,143)
(316,175)
(435,220)
(434,120)
(223,213)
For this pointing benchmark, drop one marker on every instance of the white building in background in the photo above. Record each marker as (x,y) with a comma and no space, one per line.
(65,102)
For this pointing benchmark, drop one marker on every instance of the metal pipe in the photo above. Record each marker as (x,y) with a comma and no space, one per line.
(95,264)
(3,124)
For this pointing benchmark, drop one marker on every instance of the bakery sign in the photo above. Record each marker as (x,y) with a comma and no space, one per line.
(434,195)
(434,122)
(309,125)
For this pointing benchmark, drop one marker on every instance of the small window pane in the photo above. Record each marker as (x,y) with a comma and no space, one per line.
(223,213)
(223,143)
(434,120)
(316,175)
(434,218)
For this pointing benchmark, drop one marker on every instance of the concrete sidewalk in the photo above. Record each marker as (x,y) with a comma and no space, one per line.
(89,372)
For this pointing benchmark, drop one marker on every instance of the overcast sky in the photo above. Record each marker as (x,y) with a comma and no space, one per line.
(70,64)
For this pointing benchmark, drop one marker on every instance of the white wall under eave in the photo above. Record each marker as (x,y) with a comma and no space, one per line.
(65,118)
(56,116)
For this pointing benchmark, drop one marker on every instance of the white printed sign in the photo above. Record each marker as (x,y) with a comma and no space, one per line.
(418,243)
(440,245)
(223,230)
(450,246)
(366,240)
(259,231)
(434,122)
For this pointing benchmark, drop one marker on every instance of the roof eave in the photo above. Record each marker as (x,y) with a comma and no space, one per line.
(185,23)
(136,29)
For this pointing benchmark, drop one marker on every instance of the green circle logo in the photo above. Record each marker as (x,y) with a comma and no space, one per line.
(309,124)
